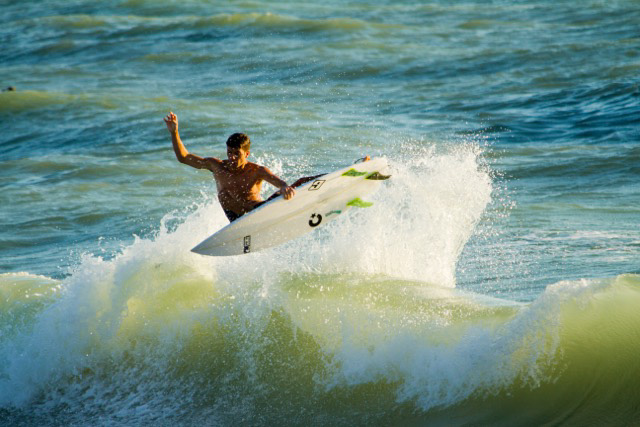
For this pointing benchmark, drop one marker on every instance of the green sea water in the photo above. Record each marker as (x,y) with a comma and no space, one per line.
(494,281)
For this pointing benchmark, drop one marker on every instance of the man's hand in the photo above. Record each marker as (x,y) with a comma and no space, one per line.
(287,192)
(172,122)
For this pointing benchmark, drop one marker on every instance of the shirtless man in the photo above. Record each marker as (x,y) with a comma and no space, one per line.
(239,181)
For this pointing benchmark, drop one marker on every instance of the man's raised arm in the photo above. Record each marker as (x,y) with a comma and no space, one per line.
(182,154)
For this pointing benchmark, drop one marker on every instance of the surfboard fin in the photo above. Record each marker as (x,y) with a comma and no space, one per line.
(359,203)
(377,176)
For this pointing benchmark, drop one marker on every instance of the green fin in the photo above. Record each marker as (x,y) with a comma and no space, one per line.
(377,176)
(353,172)
(358,203)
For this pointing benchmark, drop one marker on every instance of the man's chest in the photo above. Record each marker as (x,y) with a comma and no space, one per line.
(243,183)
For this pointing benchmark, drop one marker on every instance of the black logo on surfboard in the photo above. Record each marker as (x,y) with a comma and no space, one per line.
(247,244)
(315,220)
(316,184)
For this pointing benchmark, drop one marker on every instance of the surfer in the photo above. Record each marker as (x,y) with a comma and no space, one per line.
(239,181)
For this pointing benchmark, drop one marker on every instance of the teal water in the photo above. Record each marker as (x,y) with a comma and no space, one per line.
(494,281)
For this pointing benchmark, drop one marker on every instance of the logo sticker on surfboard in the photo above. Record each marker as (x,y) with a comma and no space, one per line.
(315,220)
(247,244)
(353,172)
(316,184)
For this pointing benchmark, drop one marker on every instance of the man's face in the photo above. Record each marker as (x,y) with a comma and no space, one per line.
(237,155)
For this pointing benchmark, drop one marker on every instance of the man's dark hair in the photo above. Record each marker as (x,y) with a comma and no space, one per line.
(239,140)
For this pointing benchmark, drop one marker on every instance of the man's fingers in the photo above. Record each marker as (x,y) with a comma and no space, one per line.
(171,118)
(289,192)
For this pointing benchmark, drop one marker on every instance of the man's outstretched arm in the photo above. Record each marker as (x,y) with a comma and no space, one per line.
(182,154)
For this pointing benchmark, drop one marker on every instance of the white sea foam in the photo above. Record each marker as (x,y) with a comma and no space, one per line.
(482,356)
(155,290)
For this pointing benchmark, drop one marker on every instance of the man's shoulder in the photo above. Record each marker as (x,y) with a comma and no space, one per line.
(213,161)
(260,169)
(254,167)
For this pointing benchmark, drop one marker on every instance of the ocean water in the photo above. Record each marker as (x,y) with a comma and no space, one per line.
(495,281)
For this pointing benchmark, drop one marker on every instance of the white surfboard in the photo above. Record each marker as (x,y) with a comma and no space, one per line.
(315,204)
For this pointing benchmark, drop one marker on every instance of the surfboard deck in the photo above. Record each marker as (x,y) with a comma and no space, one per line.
(315,204)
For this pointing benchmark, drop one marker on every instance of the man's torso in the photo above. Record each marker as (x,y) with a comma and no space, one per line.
(238,190)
